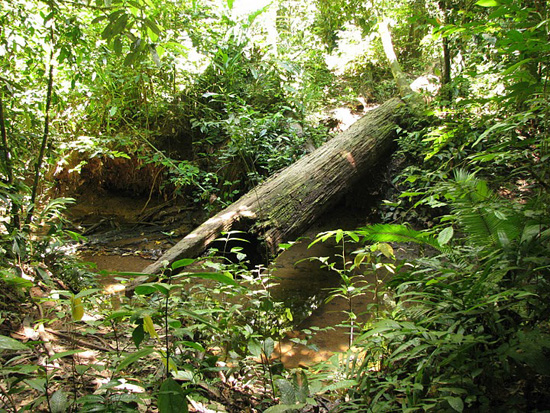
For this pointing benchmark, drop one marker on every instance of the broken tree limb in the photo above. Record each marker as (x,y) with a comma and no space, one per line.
(286,204)
(407,94)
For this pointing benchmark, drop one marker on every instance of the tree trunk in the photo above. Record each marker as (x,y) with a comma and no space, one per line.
(285,205)
(398,75)
(407,94)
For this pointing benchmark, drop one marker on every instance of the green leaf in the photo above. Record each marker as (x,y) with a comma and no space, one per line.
(225,278)
(77,309)
(18,282)
(342,384)
(182,263)
(145,289)
(386,249)
(98,19)
(149,288)
(487,3)
(117,47)
(138,335)
(8,343)
(59,402)
(133,357)
(288,395)
(172,398)
(230,4)
(149,327)
(268,347)
(119,26)
(153,26)
(200,318)
(456,403)
(254,347)
(65,354)
(118,314)
(445,236)
(131,58)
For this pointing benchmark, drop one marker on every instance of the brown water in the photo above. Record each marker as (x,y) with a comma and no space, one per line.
(301,283)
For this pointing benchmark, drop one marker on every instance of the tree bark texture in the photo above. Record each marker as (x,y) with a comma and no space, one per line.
(286,204)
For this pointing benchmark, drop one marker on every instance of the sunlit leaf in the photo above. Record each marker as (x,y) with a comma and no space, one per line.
(225,278)
(77,309)
(445,236)
(268,347)
(149,327)
(386,249)
(487,3)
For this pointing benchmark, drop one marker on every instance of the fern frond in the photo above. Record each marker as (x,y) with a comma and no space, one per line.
(480,213)
(398,233)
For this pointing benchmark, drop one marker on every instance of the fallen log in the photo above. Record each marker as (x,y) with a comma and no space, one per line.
(286,204)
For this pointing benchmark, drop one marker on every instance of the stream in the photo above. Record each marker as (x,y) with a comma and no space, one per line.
(122,237)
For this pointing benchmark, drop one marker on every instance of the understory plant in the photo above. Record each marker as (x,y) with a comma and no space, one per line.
(470,319)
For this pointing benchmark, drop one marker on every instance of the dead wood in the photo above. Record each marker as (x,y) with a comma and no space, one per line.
(286,204)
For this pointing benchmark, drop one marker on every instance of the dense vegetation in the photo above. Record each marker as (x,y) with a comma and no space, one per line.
(205,100)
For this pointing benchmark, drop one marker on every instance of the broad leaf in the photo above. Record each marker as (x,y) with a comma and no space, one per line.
(77,309)
(172,398)
(133,357)
(445,236)
(8,343)
(149,327)
(59,402)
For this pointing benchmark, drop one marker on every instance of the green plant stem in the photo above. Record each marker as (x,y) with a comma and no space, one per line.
(267,365)
(167,339)
(45,137)
(6,158)
(5,147)
(47,385)
(113,326)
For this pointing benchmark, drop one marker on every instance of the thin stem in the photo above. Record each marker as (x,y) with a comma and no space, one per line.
(113,326)
(6,158)
(45,136)
(9,397)
(167,339)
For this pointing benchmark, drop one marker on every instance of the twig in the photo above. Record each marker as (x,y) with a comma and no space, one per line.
(80,342)
(152,188)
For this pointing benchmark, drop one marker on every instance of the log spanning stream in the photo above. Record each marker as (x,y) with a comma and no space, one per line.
(301,284)
(299,201)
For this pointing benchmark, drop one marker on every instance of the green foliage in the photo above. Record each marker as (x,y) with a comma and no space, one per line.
(460,319)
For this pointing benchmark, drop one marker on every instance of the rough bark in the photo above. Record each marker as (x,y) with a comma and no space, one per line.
(285,205)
